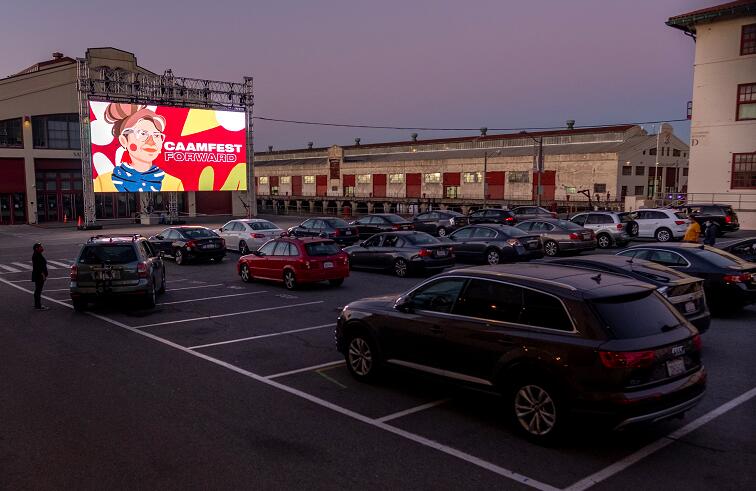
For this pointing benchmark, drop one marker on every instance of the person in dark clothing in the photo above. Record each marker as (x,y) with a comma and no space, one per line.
(39,275)
(710,234)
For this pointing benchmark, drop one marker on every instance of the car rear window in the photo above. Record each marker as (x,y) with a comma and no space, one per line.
(394,218)
(720,258)
(650,315)
(337,223)
(322,249)
(567,225)
(681,215)
(108,254)
(262,226)
(626,217)
(421,239)
(197,233)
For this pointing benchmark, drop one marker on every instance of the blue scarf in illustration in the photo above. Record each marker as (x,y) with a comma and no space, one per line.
(126,178)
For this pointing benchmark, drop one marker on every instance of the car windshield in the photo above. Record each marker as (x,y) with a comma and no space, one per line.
(322,249)
(108,254)
(394,218)
(720,258)
(454,213)
(567,225)
(197,233)
(337,223)
(421,239)
(651,315)
(626,217)
(262,226)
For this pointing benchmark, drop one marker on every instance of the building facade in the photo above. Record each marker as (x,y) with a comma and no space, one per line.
(723,119)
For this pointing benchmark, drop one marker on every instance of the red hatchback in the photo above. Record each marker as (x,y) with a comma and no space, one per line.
(295,261)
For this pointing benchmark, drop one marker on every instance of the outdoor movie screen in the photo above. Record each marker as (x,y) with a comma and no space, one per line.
(141,148)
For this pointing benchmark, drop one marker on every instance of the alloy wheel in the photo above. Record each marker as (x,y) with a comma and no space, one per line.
(400,268)
(663,236)
(245,276)
(603,241)
(243,248)
(551,248)
(493,257)
(535,410)
(360,357)
(179,256)
(290,281)
(441,232)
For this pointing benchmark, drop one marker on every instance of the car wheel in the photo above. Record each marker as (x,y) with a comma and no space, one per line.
(362,358)
(441,232)
(161,290)
(493,256)
(632,229)
(550,248)
(401,268)
(245,273)
(290,281)
(536,409)
(79,305)
(663,235)
(179,257)
(151,299)
(603,241)
(243,248)
(337,282)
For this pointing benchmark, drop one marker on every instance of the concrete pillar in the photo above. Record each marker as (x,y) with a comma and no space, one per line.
(386,207)
(423,207)
(339,204)
(299,206)
(443,206)
(370,206)
(465,209)
(286,206)
(191,198)
(312,206)
(354,207)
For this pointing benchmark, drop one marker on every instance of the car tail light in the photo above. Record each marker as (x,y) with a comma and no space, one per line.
(257,236)
(620,226)
(627,359)
(190,244)
(574,236)
(396,226)
(509,219)
(514,242)
(680,222)
(304,264)
(425,253)
(337,233)
(142,270)
(728,219)
(697,342)
(74,272)
(737,278)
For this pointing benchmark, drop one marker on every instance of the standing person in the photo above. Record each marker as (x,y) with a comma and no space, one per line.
(39,275)
(710,233)
(693,232)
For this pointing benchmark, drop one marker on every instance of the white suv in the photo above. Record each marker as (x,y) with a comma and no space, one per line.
(662,224)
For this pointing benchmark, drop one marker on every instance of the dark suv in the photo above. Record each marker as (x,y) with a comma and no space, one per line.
(723,215)
(555,341)
(117,266)
(492,215)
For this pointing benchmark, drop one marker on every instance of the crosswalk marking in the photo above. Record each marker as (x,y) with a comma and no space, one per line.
(22,265)
(58,263)
(10,269)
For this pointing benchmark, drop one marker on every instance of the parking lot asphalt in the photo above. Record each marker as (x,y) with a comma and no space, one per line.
(227,384)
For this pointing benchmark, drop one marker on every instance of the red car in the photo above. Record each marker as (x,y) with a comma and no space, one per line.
(295,261)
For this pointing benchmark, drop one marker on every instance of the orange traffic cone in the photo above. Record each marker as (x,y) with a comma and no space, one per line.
(78,222)
(65,218)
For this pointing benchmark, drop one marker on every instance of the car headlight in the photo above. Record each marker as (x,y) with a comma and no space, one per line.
(451,221)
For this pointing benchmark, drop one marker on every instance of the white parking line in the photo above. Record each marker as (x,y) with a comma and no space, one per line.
(307,369)
(58,263)
(193,287)
(209,317)
(211,298)
(412,410)
(420,440)
(10,269)
(282,333)
(644,452)
(24,266)
(58,290)
(48,279)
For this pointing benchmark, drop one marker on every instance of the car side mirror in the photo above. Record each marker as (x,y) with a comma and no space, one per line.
(403,304)
(258,253)
(159,237)
(363,244)
(323,235)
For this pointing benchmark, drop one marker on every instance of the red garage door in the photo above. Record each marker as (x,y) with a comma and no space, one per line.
(495,185)
(414,185)
(321,185)
(213,202)
(379,185)
(548,185)
(296,185)
(273,182)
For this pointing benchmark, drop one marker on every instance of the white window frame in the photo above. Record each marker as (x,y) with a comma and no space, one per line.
(263,180)
(472,177)
(285,180)
(363,178)
(396,178)
(432,178)
(308,180)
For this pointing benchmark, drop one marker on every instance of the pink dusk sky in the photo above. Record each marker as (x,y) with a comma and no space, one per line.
(462,64)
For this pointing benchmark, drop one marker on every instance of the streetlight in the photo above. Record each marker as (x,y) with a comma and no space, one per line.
(539,164)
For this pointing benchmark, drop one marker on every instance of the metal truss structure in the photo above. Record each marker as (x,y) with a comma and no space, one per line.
(119,85)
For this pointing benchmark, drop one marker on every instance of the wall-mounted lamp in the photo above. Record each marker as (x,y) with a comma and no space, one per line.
(27,122)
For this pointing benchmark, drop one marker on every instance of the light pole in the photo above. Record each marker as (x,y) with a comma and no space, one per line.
(485,177)
(539,165)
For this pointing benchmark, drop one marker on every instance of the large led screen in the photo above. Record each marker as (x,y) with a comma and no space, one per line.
(140,148)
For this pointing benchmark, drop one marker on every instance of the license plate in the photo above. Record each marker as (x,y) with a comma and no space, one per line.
(586,236)
(690,307)
(106,275)
(441,253)
(675,367)
(210,246)
(327,265)
(348,232)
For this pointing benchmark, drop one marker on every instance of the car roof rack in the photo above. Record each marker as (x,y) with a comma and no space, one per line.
(95,238)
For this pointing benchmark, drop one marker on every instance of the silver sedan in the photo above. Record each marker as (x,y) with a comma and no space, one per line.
(248,234)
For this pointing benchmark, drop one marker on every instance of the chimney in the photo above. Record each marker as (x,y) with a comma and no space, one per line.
(357,141)
(57,56)
(570,124)
(309,145)
(414,137)
(270,148)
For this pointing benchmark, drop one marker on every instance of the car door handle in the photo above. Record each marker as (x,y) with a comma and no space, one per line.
(435,329)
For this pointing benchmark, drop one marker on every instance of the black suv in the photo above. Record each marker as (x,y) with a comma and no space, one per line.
(723,215)
(492,215)
(189,243)
(117,266)
(555,341)
(327,227)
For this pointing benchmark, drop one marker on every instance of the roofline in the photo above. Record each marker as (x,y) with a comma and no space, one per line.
(686,22)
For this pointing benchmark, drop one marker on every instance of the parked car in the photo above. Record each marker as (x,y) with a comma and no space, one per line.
(401,253)
(531,212)
(494,244)
(661,224)
(554,341)
(380,222)
(560,236)
(245,235)
(189,242)
(610,228)
(729,282)
(439,222)
(743,248)
(684,292)
(296,261)
(335,229)
(722,214)
(492,215)
(117,266)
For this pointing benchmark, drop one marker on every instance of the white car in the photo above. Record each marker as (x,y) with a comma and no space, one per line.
(248,234)
(662,224)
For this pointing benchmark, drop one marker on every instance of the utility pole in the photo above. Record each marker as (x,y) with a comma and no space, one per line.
(485,178)
(540,169)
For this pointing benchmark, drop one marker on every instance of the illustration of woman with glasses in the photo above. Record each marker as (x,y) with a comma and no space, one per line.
(140,132)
